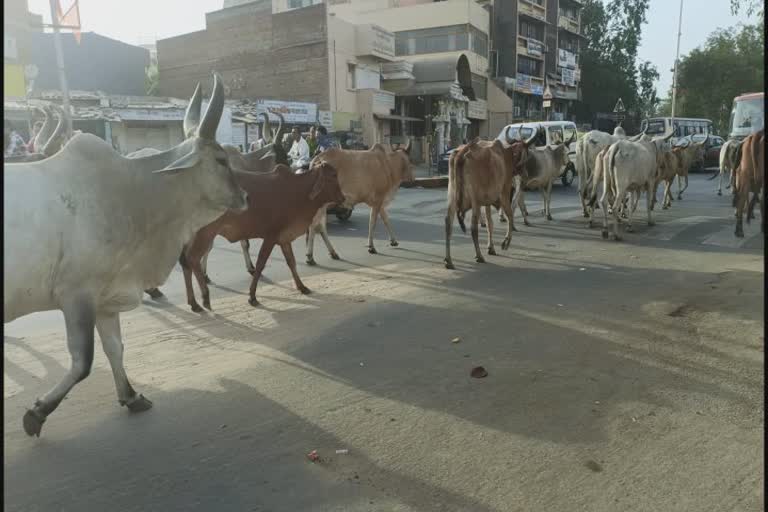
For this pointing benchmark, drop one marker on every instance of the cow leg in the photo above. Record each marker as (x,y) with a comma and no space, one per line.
(154,293)
(510,211)
(476,232)
(604,203)
(261,262)
(448,231)
(372,228)
(648,206)
(680,188)
(523,209)
(108,327)
(620,195)
(491,249)
(385,220)
(667,202)
(245,245)
(79,318)
(195,255)
(320,224)
(548,201)
(720,182)
(183,261)
(482,220)
(291,260)
(204,266)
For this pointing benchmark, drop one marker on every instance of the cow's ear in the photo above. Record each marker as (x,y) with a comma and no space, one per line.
(187,161)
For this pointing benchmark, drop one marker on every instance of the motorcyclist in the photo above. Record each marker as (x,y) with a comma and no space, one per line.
(324,142)
(299,153)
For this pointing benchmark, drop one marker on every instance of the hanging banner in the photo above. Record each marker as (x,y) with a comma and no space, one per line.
(535,48)
(292,111)
(568,77)
(566,59)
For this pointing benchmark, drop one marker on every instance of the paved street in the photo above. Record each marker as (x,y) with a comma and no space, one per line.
(622,376)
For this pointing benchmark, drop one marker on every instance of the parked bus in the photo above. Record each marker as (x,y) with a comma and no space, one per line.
(684,126)
(747,115)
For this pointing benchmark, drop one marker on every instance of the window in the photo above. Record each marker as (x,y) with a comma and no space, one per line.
(351,76)
(528,66)
(555,135)
(480,86)
(298,4)
(569,12)
(433,40)
(479,42)
(532,30)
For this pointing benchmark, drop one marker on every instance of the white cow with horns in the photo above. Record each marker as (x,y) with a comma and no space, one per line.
(110,227)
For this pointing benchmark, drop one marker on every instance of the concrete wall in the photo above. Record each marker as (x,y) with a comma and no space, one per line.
(259,55)
(499,111)
(131,136)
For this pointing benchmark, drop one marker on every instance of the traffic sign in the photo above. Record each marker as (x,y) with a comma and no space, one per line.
(619,108)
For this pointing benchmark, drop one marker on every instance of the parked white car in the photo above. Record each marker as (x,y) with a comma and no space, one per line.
(555,132)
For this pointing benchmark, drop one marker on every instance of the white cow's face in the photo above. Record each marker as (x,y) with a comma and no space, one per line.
(216,179)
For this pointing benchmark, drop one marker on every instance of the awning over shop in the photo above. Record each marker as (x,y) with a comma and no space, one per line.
(437,76)
(397,118)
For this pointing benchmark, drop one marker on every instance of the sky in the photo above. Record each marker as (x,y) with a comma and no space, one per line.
(144,21)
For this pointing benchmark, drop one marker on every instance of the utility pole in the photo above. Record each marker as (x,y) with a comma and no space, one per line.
(60,65)
(677,55)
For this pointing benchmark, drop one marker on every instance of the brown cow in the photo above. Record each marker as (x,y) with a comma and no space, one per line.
(281,206)
(687,154)
(483,173)
(750,178)
(371,177)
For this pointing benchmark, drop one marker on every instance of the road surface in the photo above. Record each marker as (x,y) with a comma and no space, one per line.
(621,376)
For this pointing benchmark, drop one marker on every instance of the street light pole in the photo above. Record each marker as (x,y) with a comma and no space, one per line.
(60,65)
(677,55)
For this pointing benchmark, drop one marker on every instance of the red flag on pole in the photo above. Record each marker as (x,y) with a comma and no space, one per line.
(69,17)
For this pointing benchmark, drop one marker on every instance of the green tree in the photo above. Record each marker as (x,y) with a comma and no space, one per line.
(609,67)
(750,7)
(730,63)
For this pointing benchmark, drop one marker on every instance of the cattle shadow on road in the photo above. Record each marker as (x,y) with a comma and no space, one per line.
(227,450)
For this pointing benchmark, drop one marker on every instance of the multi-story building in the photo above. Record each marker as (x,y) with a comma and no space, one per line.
(19,25)
(384,68)
(535,46)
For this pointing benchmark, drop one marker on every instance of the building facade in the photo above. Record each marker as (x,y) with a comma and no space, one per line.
(535,46)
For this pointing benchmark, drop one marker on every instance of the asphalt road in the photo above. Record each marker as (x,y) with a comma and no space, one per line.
(621,376)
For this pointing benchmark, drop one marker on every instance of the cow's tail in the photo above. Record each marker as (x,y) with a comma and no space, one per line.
(456,175)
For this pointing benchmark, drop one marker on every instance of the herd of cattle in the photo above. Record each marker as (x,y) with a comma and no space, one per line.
(89,230)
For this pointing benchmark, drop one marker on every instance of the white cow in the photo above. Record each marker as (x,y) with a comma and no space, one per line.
(110,227)
(728,163)
(631,167)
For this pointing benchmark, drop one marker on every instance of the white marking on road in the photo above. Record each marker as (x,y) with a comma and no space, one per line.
(667,230)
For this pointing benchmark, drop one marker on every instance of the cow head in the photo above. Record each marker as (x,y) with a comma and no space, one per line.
(326,188)
(403,155)
(202,156)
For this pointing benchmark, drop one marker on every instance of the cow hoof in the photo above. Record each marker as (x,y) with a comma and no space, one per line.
(311,262)
(33,423)
(372,250)
(139,404)
(491,251)
(253,302)
(605,235)
(482,224)
(393,243)
(196,308)
(155,293)
(680,197)
(719,193)
(505,244)
(585,215)
(513,228)
(479,259)
(549,217)
(251,270)
(502,219)
(616,238)
(449,265)
(304,290)
(207,279)
(335,256)
(207,304)
(527,223)
(630,229)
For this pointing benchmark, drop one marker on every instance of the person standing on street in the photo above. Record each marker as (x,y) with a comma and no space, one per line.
(299,152)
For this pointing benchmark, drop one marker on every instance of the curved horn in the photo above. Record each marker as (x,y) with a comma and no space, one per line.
(266,132)
(280,121)
(54,143)
(407,147)
(529,141)
(213,113)
(506,135)
(45,131)
(572,139)
(192,115)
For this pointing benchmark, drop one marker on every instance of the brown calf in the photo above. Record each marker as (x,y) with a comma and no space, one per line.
(750,178)
(281,206)
(371,177)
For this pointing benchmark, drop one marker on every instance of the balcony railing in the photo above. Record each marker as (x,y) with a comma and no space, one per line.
(531,47)
(569,24)
(532,9)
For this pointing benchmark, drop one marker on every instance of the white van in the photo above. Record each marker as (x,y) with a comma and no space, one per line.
(555,132)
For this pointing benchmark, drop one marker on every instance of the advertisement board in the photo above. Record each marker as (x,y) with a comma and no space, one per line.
(292,111)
